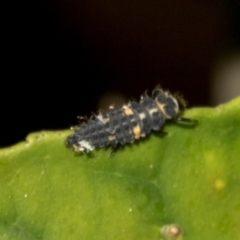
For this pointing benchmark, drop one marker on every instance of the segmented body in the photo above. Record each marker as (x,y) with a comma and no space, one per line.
(126,124)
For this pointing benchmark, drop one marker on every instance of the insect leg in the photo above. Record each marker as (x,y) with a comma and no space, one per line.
(114,149)
(162,133)
(187,120)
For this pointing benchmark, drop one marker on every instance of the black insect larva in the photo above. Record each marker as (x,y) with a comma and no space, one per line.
(127,124)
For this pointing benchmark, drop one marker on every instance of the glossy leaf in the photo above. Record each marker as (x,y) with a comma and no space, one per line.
(188,179)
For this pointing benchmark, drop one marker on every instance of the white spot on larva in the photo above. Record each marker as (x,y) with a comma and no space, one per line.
(111,138)
(142,115)
(151,111)
(130,210)
(85,145)
(101,119)
(25,195)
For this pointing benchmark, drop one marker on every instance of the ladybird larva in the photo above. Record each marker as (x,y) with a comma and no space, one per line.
(129,123)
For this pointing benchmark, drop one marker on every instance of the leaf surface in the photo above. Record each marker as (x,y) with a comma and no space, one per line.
(190,177)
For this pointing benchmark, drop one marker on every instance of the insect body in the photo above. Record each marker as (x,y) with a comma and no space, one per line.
(127,124)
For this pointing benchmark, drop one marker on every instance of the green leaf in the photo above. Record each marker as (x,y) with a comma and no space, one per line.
(187,180)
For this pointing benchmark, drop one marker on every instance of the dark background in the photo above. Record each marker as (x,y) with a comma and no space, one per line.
(64,58)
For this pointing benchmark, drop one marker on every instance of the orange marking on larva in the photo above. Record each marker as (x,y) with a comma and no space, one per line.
(75,147)
(137,132)
(161,107)
(111,138)
(127,110)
